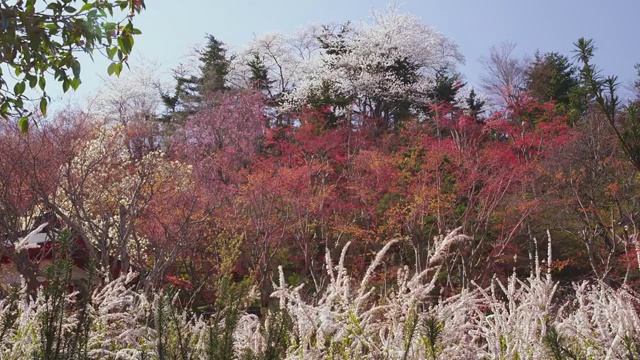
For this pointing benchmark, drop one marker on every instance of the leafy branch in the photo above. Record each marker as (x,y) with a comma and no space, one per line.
(40,40)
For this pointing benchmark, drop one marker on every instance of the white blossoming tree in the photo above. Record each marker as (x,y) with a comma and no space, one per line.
(376,68)
(274,62)
(116,197)
(132,97)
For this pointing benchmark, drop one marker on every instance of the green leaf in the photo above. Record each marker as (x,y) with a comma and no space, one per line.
(18,88)
(118,69)
(125,41)
(70,9)
(111,52)
(109,26)
(112,68)
(65,85)
(42,83)
(87,6)
(4,110)
(23,124)
(75,67)
(54,6)
(33,80)
(128,41)
(75,83)
(43,106)
(92,14)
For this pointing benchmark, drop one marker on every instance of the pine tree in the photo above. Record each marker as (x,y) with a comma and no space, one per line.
(475,105)
(215,66)
(260,74)
(180,104)
(552,77)
(191,90)
(446,87)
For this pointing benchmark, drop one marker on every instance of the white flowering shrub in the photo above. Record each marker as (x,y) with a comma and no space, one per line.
(512,319)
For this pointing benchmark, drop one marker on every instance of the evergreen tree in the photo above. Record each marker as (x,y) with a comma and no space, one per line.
(602,92)
(552,77)
(184,99)
(215,66)
(191,90)
(446,87)
(475,105)
(260,74)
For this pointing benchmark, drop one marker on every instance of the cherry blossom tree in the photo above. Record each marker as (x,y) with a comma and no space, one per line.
(373,68)
(281,57)
(222,138)
(378,64)
(134,96)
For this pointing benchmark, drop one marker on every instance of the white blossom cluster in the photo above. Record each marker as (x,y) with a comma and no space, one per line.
(283,56)
(132,96)
(363,70)
(105,186)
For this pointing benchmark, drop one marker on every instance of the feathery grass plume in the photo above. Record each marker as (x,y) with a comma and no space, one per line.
(517,318)
(602,320)
(340,323)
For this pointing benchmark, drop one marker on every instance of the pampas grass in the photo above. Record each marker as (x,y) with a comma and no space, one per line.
(514,319)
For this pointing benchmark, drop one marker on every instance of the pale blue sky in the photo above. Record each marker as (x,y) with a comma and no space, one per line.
(171,28)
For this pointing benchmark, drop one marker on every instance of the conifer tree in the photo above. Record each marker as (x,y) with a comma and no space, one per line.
(192,89)
(552,77)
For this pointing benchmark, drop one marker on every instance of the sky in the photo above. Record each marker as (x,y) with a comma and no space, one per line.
(171,29)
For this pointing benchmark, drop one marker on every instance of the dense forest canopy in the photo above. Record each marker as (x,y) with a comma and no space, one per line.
(295,146)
